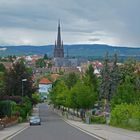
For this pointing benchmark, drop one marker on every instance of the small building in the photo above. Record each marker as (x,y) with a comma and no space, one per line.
(44,86)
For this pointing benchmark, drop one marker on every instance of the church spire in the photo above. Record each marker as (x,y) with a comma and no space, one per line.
(59,35)
(58,49)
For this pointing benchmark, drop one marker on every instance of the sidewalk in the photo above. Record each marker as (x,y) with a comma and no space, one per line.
(13,130)
(105,132)
(9,131)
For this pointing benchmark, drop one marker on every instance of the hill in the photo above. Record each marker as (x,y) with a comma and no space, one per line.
(82,50)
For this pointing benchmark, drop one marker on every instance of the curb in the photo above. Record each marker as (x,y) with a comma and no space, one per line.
(83,130)
(87,132)
(15,133)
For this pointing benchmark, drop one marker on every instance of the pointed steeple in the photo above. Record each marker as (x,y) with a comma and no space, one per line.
(59,50)
(59,35)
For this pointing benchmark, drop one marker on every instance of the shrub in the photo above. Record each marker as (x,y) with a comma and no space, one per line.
(98,119)
(20,120)
(126,116)
(35,98)
(7,108)
(16,99)
(25,108)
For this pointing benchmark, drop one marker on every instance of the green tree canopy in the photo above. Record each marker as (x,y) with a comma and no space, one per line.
(13,80)
(40,63)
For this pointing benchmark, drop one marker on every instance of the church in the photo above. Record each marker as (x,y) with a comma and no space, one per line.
(59,56)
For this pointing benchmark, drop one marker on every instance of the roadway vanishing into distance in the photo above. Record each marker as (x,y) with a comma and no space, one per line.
(52,128)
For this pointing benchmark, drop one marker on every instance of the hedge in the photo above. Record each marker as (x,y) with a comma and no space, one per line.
(126,116)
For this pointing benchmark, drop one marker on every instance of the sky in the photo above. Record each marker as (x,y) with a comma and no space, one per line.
(34,22)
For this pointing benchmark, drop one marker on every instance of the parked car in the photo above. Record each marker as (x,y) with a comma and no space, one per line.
(35,120)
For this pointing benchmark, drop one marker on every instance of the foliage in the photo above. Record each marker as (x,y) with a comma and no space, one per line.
(98,119)
(90,78)
(16,99)
(13,80)
(59,93)
(110,79)
(126,93)
(35,98)
(71,79)
(1,83)
(40,63)
(127,69)
(82,96)
(2,67)
(45,57)
(105,81)
(7,108)
(25,108)
(126,116)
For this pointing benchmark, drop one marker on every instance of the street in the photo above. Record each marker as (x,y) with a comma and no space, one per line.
(52,128)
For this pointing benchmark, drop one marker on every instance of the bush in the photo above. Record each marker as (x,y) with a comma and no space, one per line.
(98,119)
(126,116)
(7,108)
(20,120)
(35,98)
(16,99)
(25,109)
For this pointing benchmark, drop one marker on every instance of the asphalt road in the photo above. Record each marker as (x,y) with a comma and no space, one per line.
(52,128)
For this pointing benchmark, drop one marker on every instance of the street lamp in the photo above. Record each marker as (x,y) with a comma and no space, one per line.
(23,80)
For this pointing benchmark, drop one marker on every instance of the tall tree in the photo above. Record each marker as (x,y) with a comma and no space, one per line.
(13,80)
(105,80)
(82,96)
(71,79)
(90,79)
(126,93)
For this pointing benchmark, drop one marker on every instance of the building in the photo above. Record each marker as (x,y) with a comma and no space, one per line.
(59,50)
(67,63)
(44,86)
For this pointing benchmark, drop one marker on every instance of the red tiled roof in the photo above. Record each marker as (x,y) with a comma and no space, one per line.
(45,81)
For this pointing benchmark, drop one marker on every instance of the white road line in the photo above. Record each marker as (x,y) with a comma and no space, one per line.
(91,134)
(16,133)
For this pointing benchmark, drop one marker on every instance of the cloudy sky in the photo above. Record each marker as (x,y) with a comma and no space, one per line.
(34,22)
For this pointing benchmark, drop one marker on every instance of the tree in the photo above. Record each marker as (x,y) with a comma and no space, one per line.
(2,72)
(127,69)
(110,78)
(58,94)
(126,93)
(82,96)
(2,68)
(90,79)
(71,79)
(40,63)
(105,80)
(13,80)
(45,57)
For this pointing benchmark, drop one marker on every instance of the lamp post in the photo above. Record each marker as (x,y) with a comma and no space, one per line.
(23,80)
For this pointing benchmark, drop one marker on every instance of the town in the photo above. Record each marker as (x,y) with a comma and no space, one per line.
(58,95)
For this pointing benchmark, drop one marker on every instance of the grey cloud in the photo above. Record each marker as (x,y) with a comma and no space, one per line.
(94,39)
(105,18)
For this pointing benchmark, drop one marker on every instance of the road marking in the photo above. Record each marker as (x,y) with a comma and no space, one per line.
(16,133)
(91,134)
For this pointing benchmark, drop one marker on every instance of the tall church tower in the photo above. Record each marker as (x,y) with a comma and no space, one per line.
(59,50)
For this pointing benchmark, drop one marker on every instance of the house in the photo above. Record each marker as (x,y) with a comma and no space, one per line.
(44,86)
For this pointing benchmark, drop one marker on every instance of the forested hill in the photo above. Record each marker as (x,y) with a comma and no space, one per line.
(83,50)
